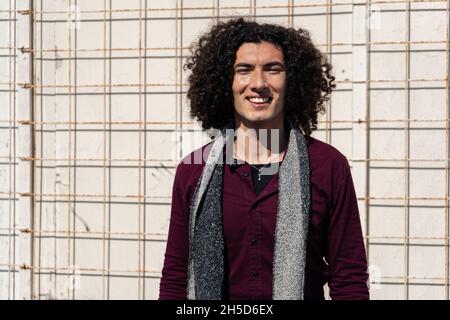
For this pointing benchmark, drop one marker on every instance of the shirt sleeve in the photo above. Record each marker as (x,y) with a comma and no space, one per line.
(173,283)
(346,253)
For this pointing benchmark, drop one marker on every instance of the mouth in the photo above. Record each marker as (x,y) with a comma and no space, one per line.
(259,102)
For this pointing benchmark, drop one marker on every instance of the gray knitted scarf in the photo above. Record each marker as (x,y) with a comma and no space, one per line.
(206,264)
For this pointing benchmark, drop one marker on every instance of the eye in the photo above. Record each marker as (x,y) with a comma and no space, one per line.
(275,70)
(242,71)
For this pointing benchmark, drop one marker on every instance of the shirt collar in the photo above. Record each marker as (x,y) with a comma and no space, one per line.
(236,163)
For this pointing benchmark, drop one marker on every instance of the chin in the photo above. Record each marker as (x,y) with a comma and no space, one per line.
(258,119)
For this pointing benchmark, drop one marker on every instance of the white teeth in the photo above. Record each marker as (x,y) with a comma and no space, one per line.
(259,100)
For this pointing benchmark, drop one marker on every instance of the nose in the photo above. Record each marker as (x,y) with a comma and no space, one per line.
(258,80)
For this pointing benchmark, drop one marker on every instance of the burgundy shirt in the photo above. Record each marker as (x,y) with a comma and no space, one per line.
(335,249)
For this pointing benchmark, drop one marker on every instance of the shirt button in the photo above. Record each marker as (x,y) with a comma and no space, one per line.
(254,242)
(255,274)
(246,174)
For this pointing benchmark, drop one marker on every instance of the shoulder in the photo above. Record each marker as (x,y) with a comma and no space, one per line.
(189,169)
(329,169)
(327,163)
(324,153)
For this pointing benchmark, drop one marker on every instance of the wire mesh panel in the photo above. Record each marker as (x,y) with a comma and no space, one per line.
(94,119)
(8,132)
(103,182)
(407,182)
(16,139)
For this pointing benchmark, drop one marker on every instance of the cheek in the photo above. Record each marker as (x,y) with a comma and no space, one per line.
(239,83)
(243,81)
(280,86)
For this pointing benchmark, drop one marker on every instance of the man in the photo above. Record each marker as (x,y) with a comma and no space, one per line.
(269,212)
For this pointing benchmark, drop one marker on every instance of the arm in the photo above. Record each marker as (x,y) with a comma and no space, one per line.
(174,274)
(347,256)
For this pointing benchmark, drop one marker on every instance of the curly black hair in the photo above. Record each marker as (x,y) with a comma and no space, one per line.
(308,74)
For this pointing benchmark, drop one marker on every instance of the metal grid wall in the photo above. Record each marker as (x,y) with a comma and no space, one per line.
(8,134)
(93,120)
(15,103)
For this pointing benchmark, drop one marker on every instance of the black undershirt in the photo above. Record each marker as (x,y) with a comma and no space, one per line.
(259,185)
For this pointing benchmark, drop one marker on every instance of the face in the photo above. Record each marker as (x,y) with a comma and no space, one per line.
(259,85)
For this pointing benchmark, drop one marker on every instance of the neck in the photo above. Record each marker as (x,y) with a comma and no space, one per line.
(258,143)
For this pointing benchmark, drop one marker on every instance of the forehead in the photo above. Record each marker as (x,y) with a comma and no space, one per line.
(259,52)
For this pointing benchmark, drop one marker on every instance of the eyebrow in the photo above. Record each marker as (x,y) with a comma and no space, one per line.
(269,64)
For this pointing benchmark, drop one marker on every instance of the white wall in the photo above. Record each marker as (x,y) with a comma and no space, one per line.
(106,154)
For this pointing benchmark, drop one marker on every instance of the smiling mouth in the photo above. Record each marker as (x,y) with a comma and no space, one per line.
(259,101)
